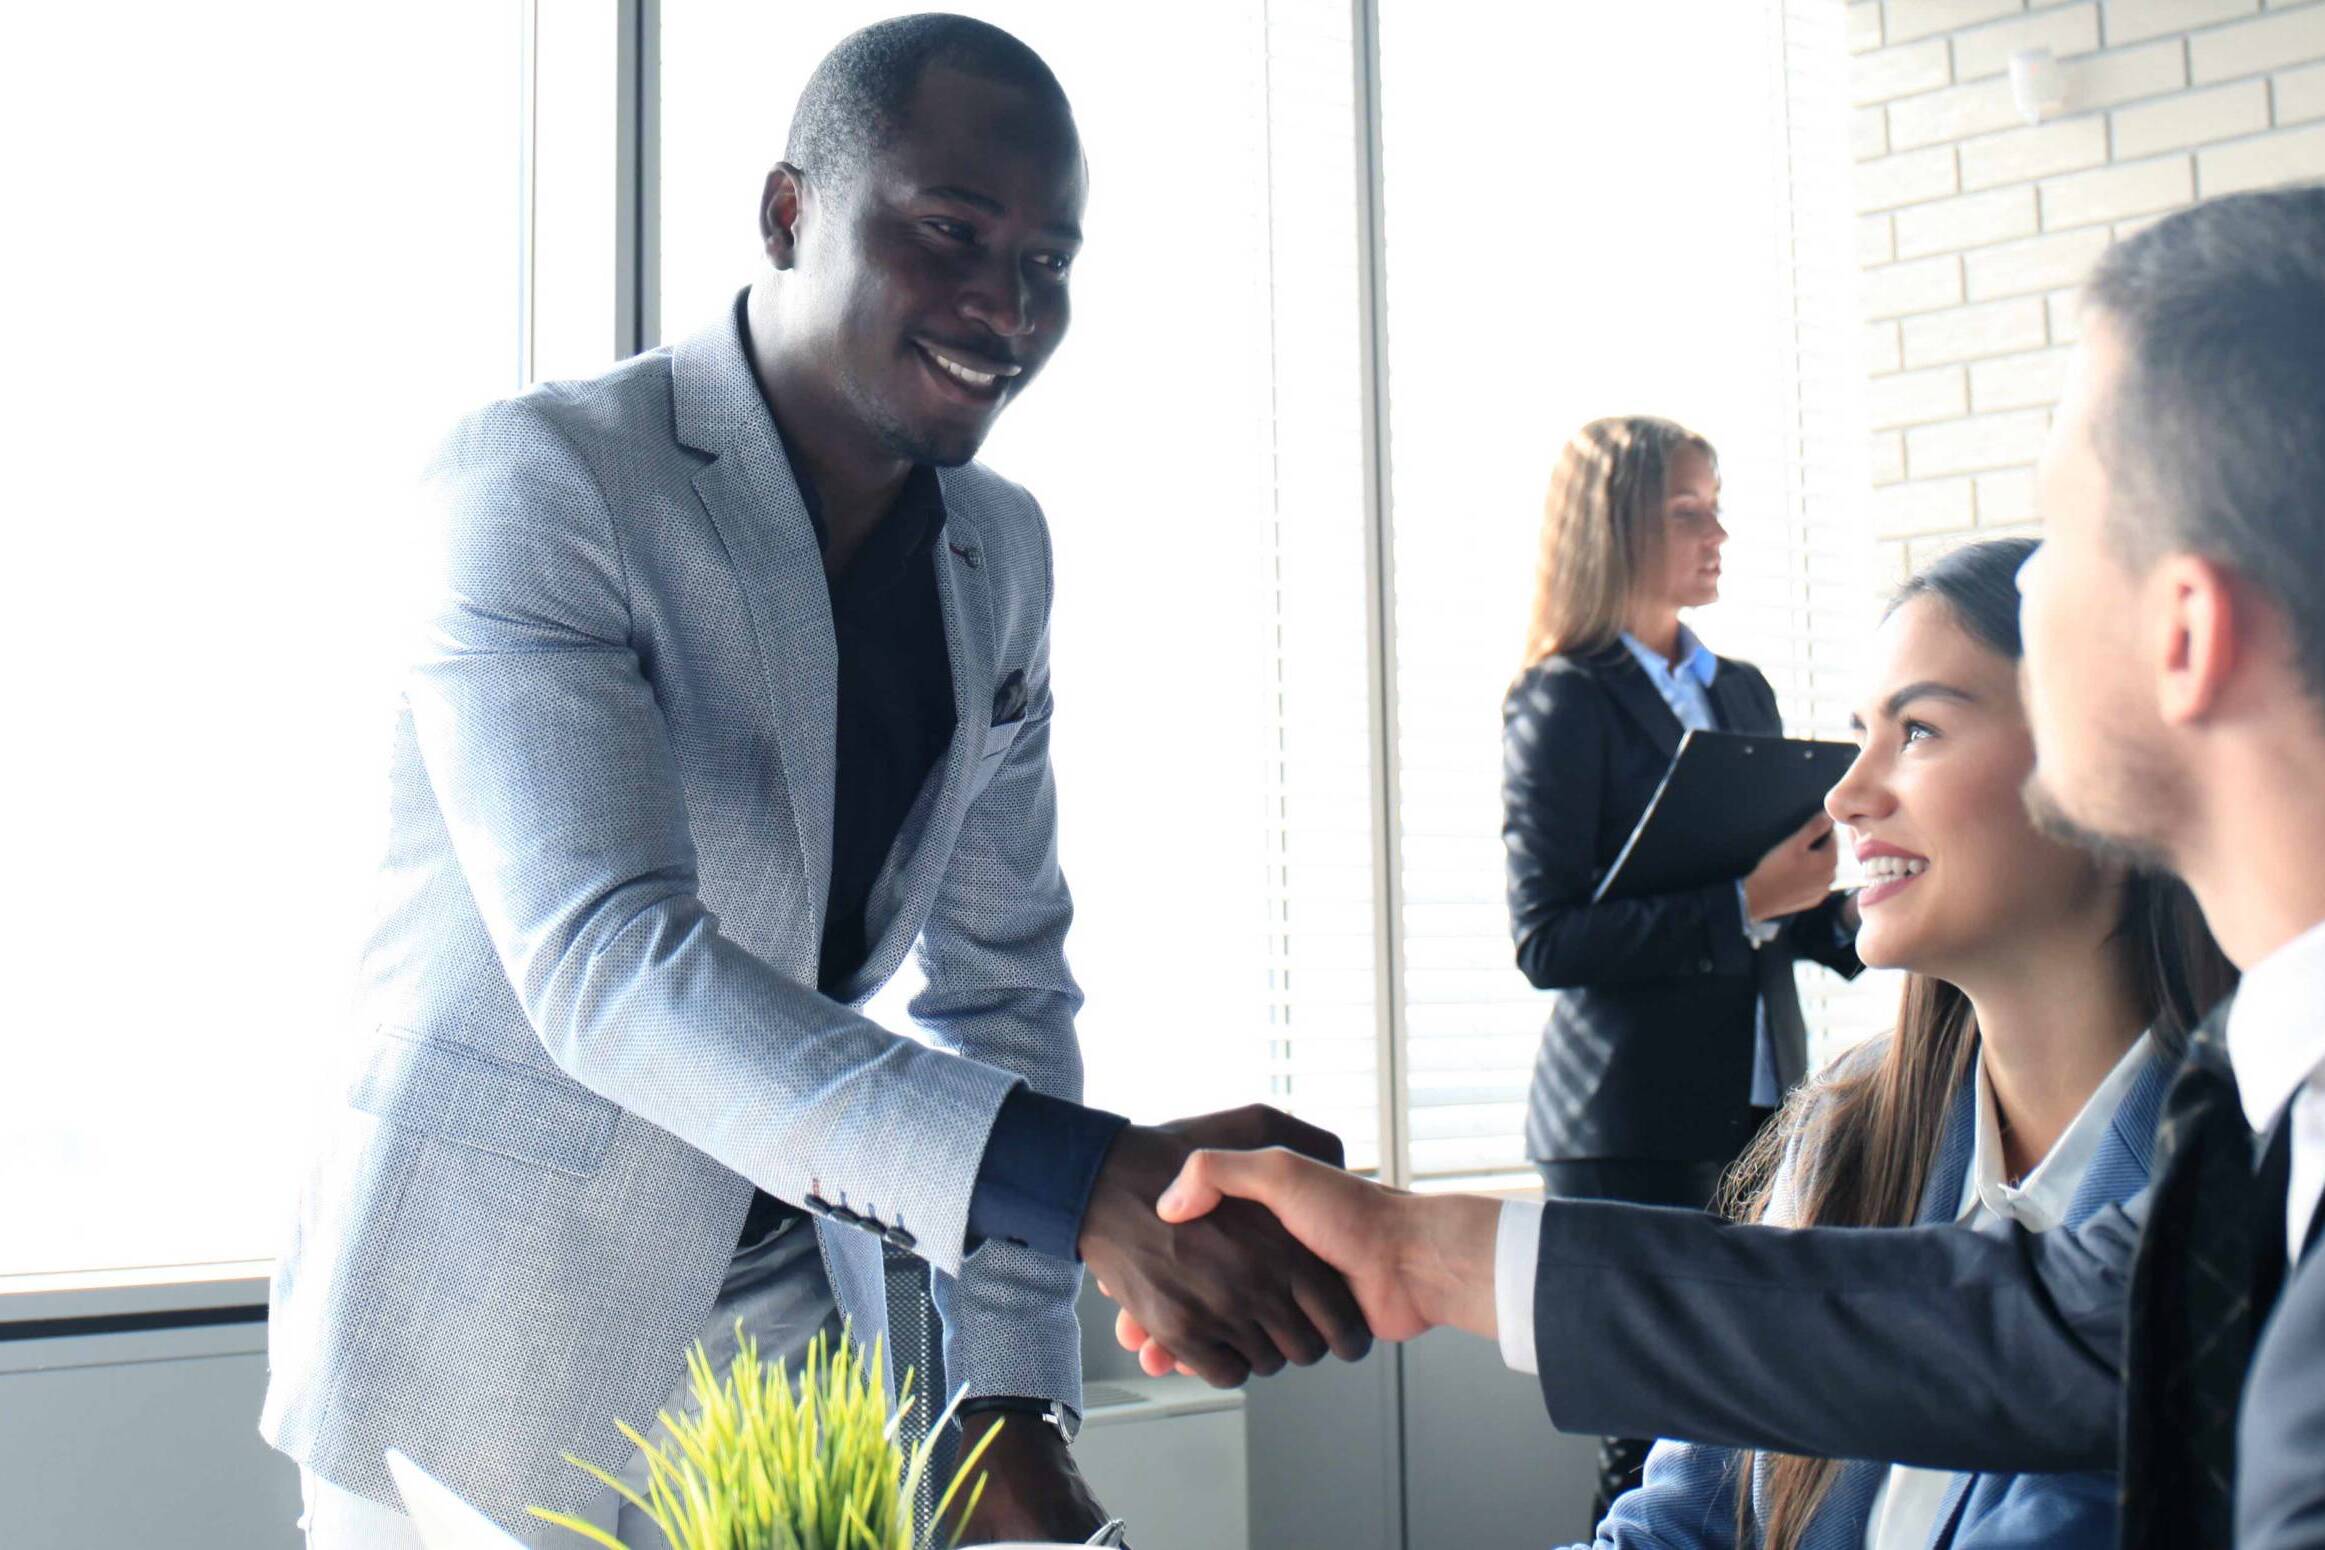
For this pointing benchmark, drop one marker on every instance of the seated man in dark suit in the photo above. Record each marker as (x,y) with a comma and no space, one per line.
(2174,626)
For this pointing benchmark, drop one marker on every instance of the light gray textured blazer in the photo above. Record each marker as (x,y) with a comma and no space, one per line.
(588,1021)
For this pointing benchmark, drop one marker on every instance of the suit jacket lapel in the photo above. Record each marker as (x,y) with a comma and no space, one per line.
(1627,682)
(2119,1169)
(1736,701)
(754,501)
(1941,1192)
(1949,1518)
(1839,1523)
(914,870)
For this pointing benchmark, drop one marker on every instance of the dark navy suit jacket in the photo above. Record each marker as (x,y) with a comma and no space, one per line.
(1950,1347)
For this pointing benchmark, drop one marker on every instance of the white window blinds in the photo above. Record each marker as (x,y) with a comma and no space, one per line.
(1611,210)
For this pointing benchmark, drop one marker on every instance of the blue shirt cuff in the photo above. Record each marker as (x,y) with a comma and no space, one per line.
(1041,1163)
(1757,932)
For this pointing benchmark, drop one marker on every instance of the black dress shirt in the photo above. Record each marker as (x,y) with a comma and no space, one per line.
(895,704)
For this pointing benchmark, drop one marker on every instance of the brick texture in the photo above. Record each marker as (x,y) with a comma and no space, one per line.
(2287,156)
(2064,30)
(2270,42)
(2192,118)
(2300,95)
(1980,228)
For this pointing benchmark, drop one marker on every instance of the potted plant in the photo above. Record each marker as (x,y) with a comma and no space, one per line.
(762,1464)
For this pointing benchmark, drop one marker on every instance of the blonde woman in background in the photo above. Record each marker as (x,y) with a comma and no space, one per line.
(1675,1027)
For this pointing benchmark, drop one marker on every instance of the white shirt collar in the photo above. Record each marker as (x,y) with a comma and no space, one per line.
(2039,1202)
(2276,1026)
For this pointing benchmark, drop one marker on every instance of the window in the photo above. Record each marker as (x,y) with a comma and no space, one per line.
(280,254)
(271,268)
(1612,209)
(1198,448)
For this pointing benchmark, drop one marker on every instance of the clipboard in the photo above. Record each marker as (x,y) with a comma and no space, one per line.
(1726,801)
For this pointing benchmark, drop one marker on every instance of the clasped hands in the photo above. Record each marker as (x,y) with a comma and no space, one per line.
(1235,1244)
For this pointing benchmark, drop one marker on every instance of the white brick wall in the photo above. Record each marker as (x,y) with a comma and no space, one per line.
(1977,228)
(2300,95)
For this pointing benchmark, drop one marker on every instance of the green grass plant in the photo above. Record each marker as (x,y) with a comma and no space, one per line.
(763,1464)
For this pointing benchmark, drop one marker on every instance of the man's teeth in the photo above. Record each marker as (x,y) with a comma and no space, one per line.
(975,379)
(1887,869)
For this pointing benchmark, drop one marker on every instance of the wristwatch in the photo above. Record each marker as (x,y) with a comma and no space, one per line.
(1049,1412)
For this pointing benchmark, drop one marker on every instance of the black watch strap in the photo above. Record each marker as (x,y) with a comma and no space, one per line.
(1048,1411)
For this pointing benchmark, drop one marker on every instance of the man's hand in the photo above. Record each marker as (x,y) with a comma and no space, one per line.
(1033,1492)
(1413,1261)
(1231,1294)
(1257,1125)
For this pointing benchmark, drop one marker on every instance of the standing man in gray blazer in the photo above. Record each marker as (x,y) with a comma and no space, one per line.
(735,686)
(2175,661)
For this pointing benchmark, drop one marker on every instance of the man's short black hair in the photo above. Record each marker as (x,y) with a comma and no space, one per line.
(2215,432)
(857,100)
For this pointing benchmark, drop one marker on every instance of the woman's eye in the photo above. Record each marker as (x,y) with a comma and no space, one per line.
(956,230)
(1915,731)
(1056,263)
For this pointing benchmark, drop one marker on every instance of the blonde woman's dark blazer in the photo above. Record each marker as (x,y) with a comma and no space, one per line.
(1649,1046)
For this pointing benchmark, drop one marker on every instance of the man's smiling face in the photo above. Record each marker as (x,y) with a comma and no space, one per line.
(933,282)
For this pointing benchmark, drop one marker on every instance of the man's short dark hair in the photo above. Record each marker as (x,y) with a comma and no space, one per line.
(2215,433)
(857,100)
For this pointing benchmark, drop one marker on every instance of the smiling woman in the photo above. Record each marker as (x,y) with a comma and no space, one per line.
(2047,993)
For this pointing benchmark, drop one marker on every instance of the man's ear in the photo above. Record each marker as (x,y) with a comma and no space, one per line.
(781,204)
(2202,619)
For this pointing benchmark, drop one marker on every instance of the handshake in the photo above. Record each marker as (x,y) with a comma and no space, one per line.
(1235,1243)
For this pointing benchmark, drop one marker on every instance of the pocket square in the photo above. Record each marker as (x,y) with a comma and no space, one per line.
(1009,698)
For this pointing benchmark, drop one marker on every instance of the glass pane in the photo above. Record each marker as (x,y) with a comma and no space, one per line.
(1197,447)
(1624,248)
(266,256)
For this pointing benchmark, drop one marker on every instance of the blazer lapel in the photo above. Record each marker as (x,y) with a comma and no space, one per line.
(1941,1194)
(1840,1520)
(2119,1169)
(909,878)
(754,501)
(1736,701)
(1627,682)
(1949,1518)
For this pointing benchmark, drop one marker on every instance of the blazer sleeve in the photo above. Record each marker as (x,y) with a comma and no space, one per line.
(1555,734)
(1820,936)
(1947,1347)
(999,991)
(548,755)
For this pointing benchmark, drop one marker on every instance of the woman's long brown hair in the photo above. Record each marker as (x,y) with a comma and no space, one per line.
(1602,529)
(1856,1143)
